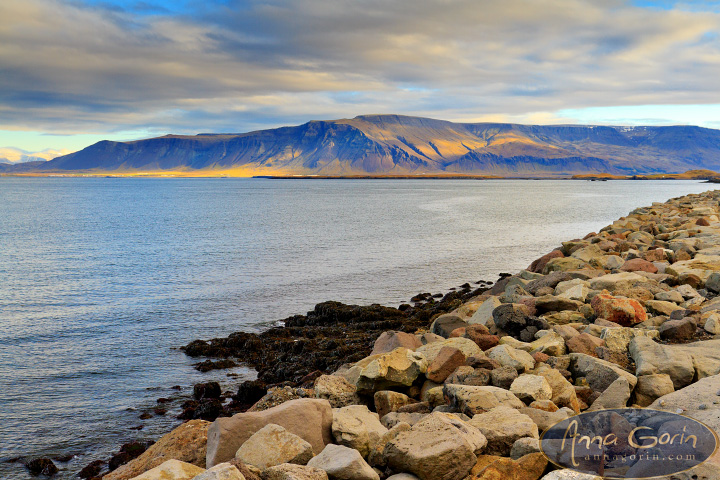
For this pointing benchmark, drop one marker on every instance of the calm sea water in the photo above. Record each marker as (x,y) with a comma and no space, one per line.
(101,278)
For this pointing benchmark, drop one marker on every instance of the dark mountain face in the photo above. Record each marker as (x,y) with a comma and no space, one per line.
(395,144)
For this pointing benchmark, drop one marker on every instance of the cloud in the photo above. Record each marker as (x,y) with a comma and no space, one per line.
(231,65)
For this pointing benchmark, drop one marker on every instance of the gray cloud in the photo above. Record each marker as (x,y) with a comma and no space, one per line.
(239,65)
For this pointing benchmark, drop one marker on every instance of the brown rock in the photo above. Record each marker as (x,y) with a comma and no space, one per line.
(447,360)
(540,357)
(656,255)
(584,343)
(538,265)
(187,443)
(310,419)
(482,362)
(387,401)
(458,332)
(530,467)
(485,342)
(678,330)
(638,265)
(545,405)
(390,340)
(624,311)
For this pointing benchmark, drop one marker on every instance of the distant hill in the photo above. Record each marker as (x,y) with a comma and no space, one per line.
(11,155)
(402,145)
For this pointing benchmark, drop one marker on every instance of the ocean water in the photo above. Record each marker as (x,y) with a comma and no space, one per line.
(102,278)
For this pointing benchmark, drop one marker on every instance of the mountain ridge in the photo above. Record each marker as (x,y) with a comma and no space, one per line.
(405,145)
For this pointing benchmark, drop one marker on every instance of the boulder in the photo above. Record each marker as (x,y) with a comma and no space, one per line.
(615,396)
(310,419)
(398,368)
(394,418)
(670,296)
(551,303)
(343,463)
(503,377)
(563,392)
(678,330)
(651,387)
(701,266)
(446,323)
(502,426)
(171,470)
(376,458)
(712,324)
(465,345)
(578,293)
(563,265)
(528,467)
(440,447)
(483,315)
(550,344)
(617,339)
(508,356)
(472,400)
(221,471)
(539,265)
(616,280)
(273,445)
(623,311)
(652,358)
(638,265)
(524,446)
(387,401)
(567,474)
(186,443)
(336,390)
(529,388)
(599,373)
(659,307)
(390,340)
(289,471)
(543,419)
(584,343)
(356,427)
(446,361)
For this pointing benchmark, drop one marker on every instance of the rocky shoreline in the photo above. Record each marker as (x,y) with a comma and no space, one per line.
(461,387)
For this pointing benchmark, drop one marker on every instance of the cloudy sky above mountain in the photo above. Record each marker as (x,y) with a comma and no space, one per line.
(73,72)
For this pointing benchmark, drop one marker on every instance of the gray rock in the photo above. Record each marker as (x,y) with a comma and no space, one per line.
(343,463)
(599,373)
(273,445)
(503,377)
(483,315)
(615,396)
(446,323)
(524,446)
(651,358)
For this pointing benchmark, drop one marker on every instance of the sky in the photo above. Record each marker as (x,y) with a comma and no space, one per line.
(74,72)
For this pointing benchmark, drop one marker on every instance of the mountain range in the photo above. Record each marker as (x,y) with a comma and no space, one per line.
(403,145)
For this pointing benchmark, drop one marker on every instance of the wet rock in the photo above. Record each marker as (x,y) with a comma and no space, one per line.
(249,392)
(273,445)
(209,365)
(343,463)
(310,419)
(42,466)
(93,469)
(207,390)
